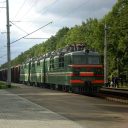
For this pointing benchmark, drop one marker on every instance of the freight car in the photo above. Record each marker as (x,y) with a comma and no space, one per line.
(71,69)
(15,74)
(3,74)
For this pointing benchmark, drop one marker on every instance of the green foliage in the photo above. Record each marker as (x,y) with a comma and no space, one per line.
(117,22)
(3,85)
(61,37)
(75,35)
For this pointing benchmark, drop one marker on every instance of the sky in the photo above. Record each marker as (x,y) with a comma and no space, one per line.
(27,16)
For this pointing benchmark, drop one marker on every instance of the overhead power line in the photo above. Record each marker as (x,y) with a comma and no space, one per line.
(18,27)
(34,3)
(27,32)
(47,7)
(31,33)
(20,8)
(3,56)
(2,1)
(20,21)
(36,38)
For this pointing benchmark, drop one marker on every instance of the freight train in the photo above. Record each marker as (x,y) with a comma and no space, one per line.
(72,69)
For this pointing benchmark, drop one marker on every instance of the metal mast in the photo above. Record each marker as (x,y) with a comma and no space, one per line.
(8,46)
(105,55)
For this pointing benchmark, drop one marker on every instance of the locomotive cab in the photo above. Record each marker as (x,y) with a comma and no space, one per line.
(86,71)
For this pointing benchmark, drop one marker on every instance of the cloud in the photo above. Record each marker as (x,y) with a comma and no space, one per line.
(79,9)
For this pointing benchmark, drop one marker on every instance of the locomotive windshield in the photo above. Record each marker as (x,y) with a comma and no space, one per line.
(78,59)
(93,60)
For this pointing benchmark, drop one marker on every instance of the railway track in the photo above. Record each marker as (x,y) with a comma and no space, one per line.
(114,94)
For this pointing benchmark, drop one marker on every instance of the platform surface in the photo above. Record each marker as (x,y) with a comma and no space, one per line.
(32,107)
(18,112)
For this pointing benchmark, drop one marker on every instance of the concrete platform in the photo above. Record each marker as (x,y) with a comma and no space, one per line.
(18,112)
(45,108)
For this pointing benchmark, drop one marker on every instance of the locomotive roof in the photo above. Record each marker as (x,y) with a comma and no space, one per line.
(62,53)
(83,53)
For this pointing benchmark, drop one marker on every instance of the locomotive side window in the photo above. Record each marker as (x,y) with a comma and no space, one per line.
(67,60)
(51,63)
(25,66)
(61,61)
(38,63)
(33,65)
(93,60)
(79,59)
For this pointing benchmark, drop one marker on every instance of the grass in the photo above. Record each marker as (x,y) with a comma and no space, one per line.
(124,85)
(4,86)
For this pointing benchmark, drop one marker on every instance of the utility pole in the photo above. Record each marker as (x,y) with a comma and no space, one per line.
(105,55)
(8,47)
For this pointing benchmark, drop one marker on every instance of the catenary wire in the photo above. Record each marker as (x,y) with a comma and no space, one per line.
(19,27)
(34,3)
(45,9)
(20,9)
(31,33)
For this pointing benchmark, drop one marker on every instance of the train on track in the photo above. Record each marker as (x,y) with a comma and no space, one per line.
(72,69)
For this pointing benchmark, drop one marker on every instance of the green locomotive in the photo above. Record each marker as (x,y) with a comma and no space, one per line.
(71,69)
